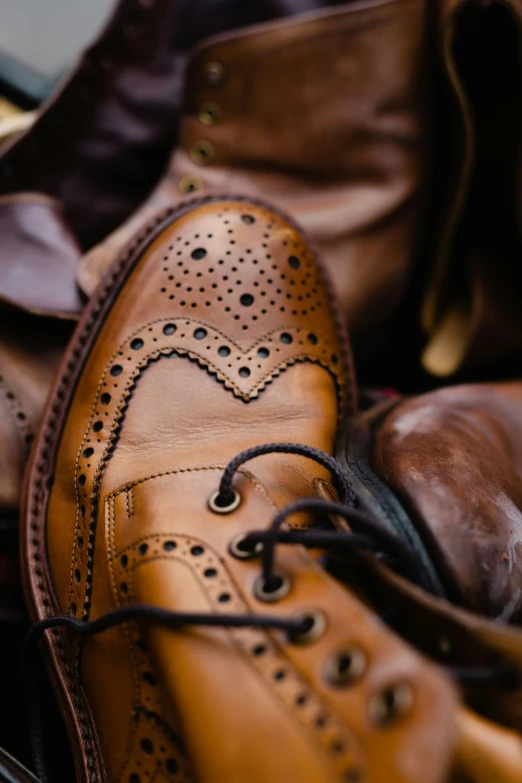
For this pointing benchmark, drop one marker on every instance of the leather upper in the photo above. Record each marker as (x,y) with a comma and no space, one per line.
(218,334)
(325,116)
(453,457)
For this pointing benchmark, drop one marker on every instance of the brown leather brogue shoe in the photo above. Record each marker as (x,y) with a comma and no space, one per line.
(214,339)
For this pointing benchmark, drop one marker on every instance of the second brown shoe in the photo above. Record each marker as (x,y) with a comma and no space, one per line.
(196,651)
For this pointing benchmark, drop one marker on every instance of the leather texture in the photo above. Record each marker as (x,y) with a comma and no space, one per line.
(325,115)
(453,458)
(215,332)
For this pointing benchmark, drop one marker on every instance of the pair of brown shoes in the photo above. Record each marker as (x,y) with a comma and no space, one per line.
(183,508)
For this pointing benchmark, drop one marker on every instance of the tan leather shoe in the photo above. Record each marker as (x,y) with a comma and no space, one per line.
(215,333)
(324,115)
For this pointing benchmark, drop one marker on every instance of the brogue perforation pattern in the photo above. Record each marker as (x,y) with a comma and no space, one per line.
(307,707)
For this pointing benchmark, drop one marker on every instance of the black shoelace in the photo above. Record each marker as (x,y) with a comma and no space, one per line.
(367,534)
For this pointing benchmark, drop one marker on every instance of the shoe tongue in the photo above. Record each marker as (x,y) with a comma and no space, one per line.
(38,257)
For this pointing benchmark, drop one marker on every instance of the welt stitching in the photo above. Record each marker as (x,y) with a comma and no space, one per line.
(74,355)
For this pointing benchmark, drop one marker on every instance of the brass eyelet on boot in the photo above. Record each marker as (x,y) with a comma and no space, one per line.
(189,184)
(202,152)
(315,625)
(278,590)
(345,667)
(241,552)
(209,114)
(214,73)
(217,509)
(390,704)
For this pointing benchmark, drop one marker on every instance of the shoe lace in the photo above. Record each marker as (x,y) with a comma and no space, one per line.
(366,534)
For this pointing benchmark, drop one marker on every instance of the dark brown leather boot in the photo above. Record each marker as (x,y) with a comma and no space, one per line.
(158,478)
(325,115)
(442,473)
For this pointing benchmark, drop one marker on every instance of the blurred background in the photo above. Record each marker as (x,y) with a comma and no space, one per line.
(39,42)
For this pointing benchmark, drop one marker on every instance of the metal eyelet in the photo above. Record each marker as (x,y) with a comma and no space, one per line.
(217,509)
(209,114)
(241,553)
(189,184)
(390,704)
(345,667)
(214,73)
(315,622)
(282,588)
(202,152)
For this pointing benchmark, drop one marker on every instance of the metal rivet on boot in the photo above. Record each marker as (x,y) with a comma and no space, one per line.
(210,114)
(390,704)
(202,152)
(214,73)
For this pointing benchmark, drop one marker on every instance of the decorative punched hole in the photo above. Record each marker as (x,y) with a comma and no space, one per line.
(137,344)
(224,598)
(279,675)
(241,549)
(82,478)
(105,399)
(197,551)
(134,778)
(172,766)
(77,576)
(258,650)
(124,560)
(210,573)
(244,372)
(116,370)
(147,746)
(88,452)
(198,253)
(247,300)
(97,426)
(390,704)
(218,507)
(248,219)
(286,338)
(80,542)
(169,329)
(200,334)
(312,339)
(346,667)
(149,678)
(224,351)
(294,262)
(168,546)
(275,591)
(314,625)
(144,548)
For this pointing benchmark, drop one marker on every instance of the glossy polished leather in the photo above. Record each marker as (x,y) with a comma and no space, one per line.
(454,459)
(325,116)
(215,332)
